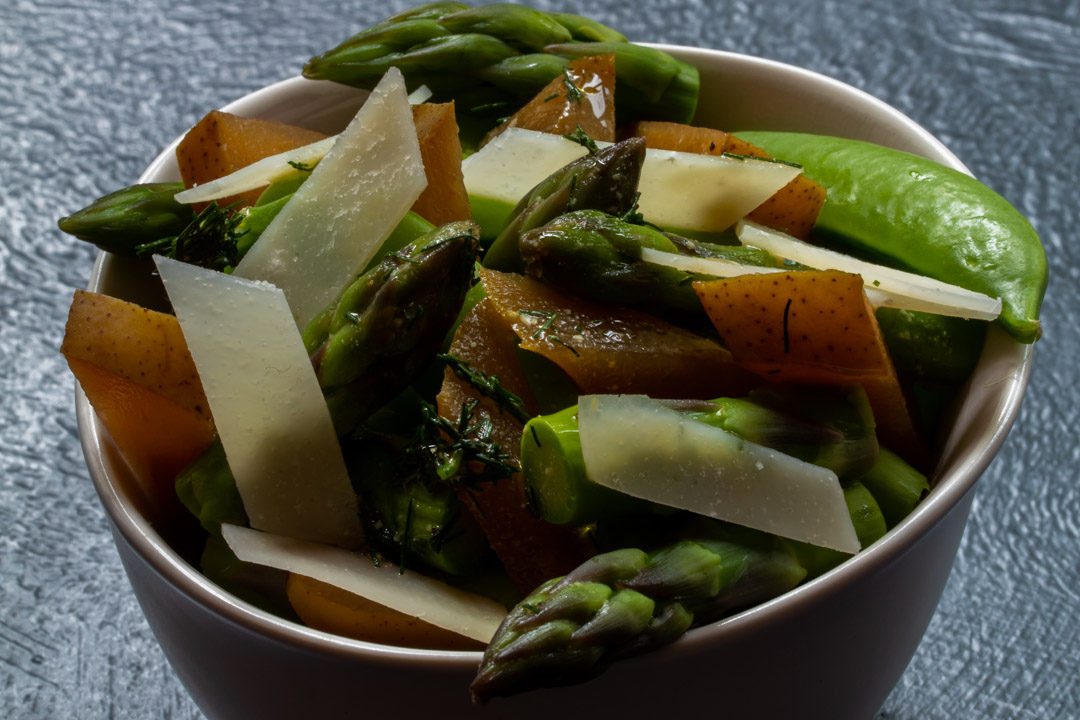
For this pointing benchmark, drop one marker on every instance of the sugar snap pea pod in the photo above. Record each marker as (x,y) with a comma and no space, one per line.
(924,217)
(122,220)
(518,25)
(623,603)
(605,181)
(586,29)
(830,427)
(598,256)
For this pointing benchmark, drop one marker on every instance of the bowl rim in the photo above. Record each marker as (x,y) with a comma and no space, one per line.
(950,490)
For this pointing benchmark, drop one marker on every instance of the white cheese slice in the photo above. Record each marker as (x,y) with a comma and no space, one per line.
(637,446)
(896,288)
(336,221)
(718,267)
(266,402)
(679,190)
(434,602)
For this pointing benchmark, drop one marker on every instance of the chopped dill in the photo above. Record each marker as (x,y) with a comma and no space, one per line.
(489,107)
(548,317)
(582,138)
(302,167)
(632,214)
(568,346)
(573,92)
(209,240)
(489,386)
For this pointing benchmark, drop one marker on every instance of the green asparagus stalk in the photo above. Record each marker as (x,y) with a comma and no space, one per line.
(869,524)
(125,219)
(605,181)
(623,603)
(468,53)
(389,324)
(585,29)
(896,486)
(831,427)
(518,25)
(598,256)
(406,515)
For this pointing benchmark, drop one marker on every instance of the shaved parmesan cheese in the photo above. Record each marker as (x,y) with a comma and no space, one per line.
(637,446)
(895,288)
(258,174)
(420,95)
(679,190)
(434,602)
(717,267)
(336,221)
(266,402)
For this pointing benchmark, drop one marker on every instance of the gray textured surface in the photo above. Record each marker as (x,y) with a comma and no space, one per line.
(91,90)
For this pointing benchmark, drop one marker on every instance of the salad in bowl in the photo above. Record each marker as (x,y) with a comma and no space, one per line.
(494,354)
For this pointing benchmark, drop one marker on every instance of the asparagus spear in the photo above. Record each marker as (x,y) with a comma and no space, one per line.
(467,52)
(625,602)
(122,220)
(896,486)
(388,325)
(831,427)
(605,181)
(598,256)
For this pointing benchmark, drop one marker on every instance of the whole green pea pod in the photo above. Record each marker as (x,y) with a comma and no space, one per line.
(924,217)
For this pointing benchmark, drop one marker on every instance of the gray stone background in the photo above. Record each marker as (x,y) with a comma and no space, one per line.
(91,90)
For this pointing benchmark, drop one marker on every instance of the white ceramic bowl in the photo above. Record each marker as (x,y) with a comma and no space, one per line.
(832,648)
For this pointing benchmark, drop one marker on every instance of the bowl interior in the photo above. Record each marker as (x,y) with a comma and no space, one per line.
(738,92)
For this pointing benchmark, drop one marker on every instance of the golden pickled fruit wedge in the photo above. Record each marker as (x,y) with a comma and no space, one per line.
(813,327)
(583,96)
(613,350)
(444,199)
(135,369)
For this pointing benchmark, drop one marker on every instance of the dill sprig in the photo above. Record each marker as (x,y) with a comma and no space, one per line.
(582,138)
(209,240)
(573,92)
(459,452)
(489,386)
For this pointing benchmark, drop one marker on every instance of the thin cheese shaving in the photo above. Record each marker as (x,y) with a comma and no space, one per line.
(336,221)
(434,602)
(267,405)
(635,445)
